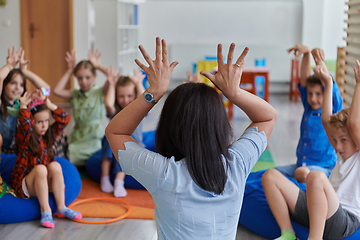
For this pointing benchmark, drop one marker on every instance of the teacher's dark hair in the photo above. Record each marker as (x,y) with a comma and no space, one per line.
(193,125)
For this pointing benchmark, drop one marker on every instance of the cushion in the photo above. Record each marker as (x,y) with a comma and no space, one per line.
(13,209)
(257,217)
(93,171)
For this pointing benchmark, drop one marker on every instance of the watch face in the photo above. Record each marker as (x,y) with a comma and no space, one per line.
(148,97)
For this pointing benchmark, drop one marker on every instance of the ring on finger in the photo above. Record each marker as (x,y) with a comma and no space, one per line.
(238,65)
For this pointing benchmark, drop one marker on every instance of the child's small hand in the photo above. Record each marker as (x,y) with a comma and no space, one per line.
(112,75)
(38,94)
(94,57)
(357,71)
(71,59)
(23,62)
(318,54)
(323,74)
(193,77)
(138,77)
(321,70)
(13,57)
(299,49)
(25,99)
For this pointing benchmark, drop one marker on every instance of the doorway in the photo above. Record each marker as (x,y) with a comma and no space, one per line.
(46,35)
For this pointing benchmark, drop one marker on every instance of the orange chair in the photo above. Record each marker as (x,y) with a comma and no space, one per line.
(294,80)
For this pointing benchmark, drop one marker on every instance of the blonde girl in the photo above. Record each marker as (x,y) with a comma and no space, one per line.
(122,91)
(87,104)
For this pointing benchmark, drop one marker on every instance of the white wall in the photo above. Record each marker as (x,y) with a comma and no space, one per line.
(323,25)
(194,28)
(333,28)
(256,22)
(9,28)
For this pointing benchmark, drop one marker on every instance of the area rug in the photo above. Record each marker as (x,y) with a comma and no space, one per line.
(141,201)
(265,161)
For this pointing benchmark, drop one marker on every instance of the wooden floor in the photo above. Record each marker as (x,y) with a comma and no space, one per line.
(282,145)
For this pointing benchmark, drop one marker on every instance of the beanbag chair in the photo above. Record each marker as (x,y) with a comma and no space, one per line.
(93,171)
(93,164)
(149,140)
(257,217)
(13,209)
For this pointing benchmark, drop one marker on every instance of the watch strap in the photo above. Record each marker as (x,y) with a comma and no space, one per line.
(149,97)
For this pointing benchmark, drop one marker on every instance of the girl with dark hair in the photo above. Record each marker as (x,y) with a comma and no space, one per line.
(12,86)
(197,178)
(36,172)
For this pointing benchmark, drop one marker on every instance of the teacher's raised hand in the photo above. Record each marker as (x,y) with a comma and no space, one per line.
(228,76)
(159,70)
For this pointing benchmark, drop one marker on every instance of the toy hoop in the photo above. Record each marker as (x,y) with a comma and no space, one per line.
(127,213)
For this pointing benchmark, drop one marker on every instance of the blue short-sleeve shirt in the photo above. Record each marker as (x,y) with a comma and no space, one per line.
(183,210)
(314,147)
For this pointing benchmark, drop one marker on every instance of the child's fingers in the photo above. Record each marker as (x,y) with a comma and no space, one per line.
(18,51)
(355,72)
(322,55)
(189,75)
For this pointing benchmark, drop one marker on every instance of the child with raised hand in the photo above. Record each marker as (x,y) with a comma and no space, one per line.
(122,91)
(193,77)
(12,86)
(197,167)
(330,207)
(87,104)
(36,173)
(314,151)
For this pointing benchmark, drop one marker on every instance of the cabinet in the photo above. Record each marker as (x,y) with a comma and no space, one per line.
(116,33)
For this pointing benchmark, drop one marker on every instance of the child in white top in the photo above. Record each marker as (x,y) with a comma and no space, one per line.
(330,207)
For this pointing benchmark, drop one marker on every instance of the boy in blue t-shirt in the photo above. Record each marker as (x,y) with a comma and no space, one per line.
(314,151)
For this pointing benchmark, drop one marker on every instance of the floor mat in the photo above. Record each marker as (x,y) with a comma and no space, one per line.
(140,200)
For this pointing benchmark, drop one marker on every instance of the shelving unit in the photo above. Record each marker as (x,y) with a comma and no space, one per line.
(119,40)
(128,35)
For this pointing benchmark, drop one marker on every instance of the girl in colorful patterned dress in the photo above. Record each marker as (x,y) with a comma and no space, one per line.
(36,172)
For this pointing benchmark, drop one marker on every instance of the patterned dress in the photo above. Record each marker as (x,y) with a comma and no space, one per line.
(26,160)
